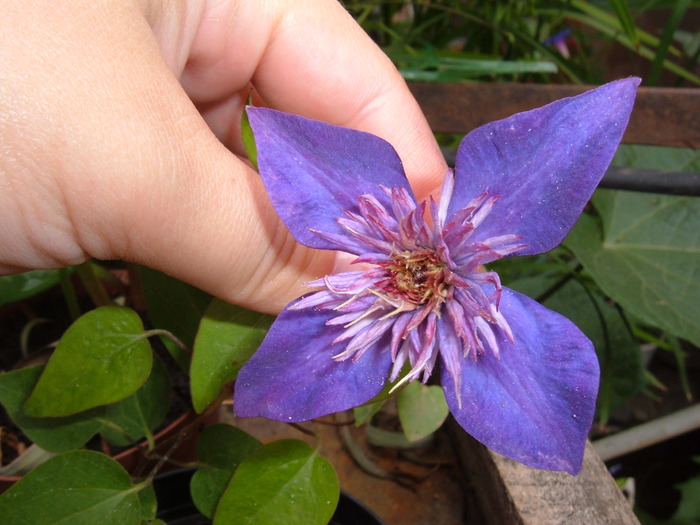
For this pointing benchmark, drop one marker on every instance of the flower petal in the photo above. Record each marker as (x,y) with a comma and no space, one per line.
(293,376)
(535,403)
(314,171)
(544,164)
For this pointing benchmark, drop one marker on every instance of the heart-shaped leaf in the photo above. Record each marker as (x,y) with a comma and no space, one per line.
(228,335)
(80,488)
(58,434)
(102,358)
(284,481)
(422,410)
(141,412)
(644,254)
(221,448)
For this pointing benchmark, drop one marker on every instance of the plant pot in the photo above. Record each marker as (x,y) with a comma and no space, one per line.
(133,458)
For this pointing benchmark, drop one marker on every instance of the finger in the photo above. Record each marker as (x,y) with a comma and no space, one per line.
(310,58)
(110,159)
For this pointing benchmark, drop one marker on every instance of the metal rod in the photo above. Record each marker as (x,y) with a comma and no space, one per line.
(647,434)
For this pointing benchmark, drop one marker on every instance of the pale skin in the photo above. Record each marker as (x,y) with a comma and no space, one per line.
(119,133)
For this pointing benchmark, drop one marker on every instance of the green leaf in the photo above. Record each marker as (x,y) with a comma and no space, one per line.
(453,61)
(675,18)
(422,410)
(76,488)
(220,449)
(643,253)
(139,414)
(102,358)
(625,18)
(689,508)
(612,31)
(58,434)
(227,337)
(364,413)
(149,503)
(174,306)
(249,140)
(657,158)
(431,67)
(284,481)
(28,284)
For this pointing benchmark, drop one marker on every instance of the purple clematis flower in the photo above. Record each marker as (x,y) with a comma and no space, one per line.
(558,40)
(518,377)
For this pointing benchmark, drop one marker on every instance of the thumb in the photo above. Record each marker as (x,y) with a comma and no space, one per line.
(107,157)
(177,200)
(208,221)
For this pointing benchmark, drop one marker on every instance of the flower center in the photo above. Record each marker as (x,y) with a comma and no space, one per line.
(417,277)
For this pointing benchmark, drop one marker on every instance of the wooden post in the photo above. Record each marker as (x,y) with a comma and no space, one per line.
(509,493)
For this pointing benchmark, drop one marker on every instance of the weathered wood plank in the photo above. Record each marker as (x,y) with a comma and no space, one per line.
(510,493)
(661,116)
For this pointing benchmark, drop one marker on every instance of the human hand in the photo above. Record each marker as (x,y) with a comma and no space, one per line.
(119,129)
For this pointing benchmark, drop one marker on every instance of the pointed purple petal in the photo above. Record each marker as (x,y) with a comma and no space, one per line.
(536,403)
(544,164)
(293,376)
(313,171)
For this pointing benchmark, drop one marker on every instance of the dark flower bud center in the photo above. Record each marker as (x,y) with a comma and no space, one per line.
(416,277)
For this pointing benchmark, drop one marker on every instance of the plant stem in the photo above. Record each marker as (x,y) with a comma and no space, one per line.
(177,440)
(93,286)
(558,285)
(169,335)
(136,294)
(69,293)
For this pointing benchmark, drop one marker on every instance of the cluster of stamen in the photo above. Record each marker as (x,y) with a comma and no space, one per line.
(420,277)
(416,277)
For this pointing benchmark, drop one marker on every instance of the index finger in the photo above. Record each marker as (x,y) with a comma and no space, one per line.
(309,57)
